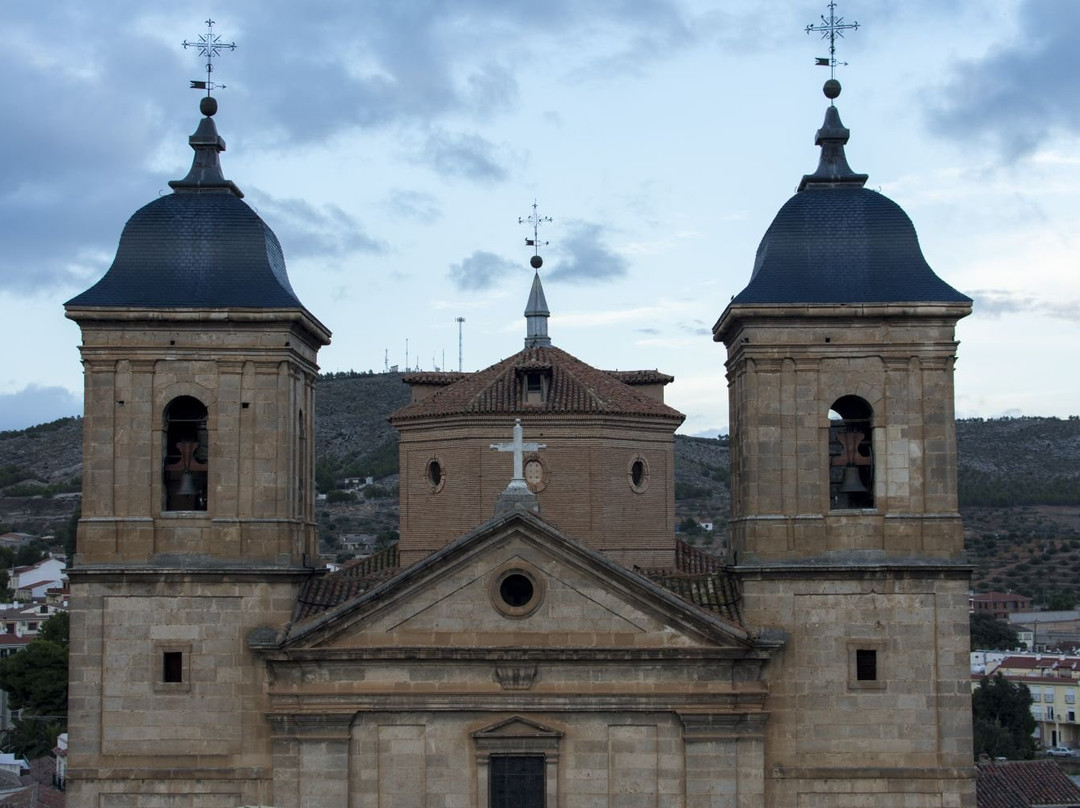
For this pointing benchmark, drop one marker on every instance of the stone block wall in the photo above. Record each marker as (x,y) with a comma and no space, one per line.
(256,380)
(785,372)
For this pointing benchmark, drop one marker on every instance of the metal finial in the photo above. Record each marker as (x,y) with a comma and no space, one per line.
(209,45)
(832,28)
(535,219)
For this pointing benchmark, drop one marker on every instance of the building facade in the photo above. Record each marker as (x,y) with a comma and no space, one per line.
(538,637)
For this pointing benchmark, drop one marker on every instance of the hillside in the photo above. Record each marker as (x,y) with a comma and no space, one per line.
(1019,481)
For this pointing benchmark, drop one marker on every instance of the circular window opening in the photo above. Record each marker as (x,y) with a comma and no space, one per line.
(435,475)
(516,590)
(638,475)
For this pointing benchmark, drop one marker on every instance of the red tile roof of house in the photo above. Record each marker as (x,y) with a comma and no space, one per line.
(575,387)
(1024,784)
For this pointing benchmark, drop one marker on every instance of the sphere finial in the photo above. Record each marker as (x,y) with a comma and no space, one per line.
(831,89)
(536,261)
(208,105)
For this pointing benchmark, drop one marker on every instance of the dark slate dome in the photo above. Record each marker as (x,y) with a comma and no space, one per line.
(837,242)
(198,247)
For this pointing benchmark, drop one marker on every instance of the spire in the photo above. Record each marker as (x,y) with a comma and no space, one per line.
(205,173)
(833,169)
(536,316)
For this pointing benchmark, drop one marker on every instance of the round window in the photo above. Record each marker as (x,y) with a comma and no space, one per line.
(436,477)
(515,591)
(637,474)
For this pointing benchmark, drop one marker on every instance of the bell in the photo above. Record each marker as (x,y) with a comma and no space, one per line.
(187,485)
(852,483)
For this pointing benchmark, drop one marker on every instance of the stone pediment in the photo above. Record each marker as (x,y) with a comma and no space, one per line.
(516,726)
(517,582)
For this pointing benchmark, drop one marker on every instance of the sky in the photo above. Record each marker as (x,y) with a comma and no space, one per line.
(393,147)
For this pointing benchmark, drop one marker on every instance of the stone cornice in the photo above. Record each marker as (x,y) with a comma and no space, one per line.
(946,313)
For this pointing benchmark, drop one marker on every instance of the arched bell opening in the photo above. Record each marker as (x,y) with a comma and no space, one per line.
(184,472)
(851,454)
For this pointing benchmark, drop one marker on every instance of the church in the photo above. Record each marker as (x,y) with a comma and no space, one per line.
(539,637)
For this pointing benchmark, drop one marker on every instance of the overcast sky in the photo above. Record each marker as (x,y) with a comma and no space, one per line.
(393,144)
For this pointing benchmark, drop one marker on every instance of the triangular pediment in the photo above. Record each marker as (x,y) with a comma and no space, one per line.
(516,726)
(517,582)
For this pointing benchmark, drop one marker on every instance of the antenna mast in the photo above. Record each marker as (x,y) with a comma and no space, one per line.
(460,320)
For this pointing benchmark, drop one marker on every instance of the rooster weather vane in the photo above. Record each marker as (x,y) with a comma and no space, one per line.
(210,46)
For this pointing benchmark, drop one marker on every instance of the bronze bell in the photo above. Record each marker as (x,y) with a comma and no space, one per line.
(852,482)
(187,485)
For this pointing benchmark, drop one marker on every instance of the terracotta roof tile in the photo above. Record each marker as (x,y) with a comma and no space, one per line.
(575,387)
(1024,784)
(322,592)
(700,579)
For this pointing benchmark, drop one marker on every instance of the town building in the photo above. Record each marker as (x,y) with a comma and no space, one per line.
(1054,682)
(538,636)
(1000,604)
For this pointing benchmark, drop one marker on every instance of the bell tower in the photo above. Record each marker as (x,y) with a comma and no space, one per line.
(198,518)
(845,531)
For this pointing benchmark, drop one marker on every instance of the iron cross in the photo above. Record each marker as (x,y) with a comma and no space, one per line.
(209,45)
(832,28)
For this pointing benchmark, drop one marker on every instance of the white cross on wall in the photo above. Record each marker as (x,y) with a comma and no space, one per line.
(518,447)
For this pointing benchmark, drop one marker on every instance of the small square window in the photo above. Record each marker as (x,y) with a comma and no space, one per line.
(171,670)
(866,660)
(172,667)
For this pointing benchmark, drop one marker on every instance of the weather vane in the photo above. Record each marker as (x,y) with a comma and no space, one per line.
(209,45)
(535,220)
(833,27)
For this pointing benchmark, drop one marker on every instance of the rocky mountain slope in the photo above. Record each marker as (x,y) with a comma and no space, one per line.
(1019,481)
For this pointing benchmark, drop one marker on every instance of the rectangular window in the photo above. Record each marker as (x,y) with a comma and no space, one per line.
(865,665)
(1070,697)
(172,666)
(1072,715)
(1049,691)
(1035,694)
(534,387)
(1049,713)
(517,781)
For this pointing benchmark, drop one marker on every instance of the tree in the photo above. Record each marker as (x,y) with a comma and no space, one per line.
(990,634)
(55,629)
(1061,601)
(33,737)
(36,679)
(1002,719)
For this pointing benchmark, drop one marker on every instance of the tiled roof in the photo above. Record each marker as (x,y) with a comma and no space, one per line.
(1024,784)
(575,387)
(842,244)
(324,592)
(701,579)
(837,242)
(641,376)
(198,247)
(195,250)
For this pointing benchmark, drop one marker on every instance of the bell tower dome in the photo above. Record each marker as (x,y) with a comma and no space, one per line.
(197,523)
(845,532)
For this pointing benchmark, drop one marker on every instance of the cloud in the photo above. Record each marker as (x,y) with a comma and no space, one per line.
(414,205)
(481,270)
(35,404)
(995,303)
(583,257)
(462,155)
(1019,96)
(306,230)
